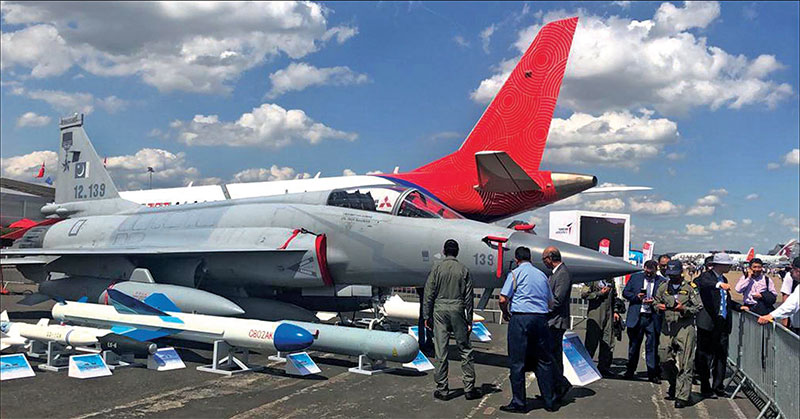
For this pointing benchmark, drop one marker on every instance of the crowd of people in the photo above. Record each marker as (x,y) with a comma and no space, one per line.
(683,322)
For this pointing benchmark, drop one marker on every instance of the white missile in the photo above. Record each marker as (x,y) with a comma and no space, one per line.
(397,309)
(18,334)
(142,320)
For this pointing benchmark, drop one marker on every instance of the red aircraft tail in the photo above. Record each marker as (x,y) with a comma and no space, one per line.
(751,254)
(517,120)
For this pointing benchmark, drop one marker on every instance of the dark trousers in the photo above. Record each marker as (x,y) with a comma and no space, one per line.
(712,349)
(594,339)
(557,348)
(645,329)
(529,338)
(423,334)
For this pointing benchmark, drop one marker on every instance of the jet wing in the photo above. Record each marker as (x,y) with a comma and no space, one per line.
(498,172)
(610,189)
(137,251)
(23,261)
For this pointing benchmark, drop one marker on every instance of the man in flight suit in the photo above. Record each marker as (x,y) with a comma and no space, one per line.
(680,302)
(601,316)
(449,302)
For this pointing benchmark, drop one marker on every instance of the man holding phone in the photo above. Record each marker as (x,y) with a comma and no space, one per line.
(643,322)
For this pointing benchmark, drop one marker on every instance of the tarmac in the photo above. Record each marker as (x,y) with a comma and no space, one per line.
(334,393)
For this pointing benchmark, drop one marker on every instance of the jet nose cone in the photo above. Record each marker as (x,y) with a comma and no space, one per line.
(289,337)
(584,264)
(590,265)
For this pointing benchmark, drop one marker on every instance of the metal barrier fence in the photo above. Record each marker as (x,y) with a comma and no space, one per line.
(767,358)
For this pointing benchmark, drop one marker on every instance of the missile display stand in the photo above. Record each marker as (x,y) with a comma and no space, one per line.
(229,360)
(368,366)
(114,361)
(55,354)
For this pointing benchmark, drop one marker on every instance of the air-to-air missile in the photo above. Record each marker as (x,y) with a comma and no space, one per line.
(382,236)
(148,320)
(401,311)
(19,334)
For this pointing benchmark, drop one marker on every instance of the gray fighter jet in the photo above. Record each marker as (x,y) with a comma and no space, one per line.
(271,252)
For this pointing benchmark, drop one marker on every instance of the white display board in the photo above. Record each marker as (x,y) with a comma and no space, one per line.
(87,366)
(579,368)
(165,359)
(421,363)
(300,363)
(15,366)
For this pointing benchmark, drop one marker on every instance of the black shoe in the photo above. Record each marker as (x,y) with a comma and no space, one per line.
(560,393)
(655,380)
(441,395)
(629,375)
(720,392)
(708,394)
(553,408)
(670,394)
(512,408)
(680,404)
(472,394)
(608,374)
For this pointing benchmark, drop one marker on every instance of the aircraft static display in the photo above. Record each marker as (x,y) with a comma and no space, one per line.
(784,255)
(269,248)
(495,173)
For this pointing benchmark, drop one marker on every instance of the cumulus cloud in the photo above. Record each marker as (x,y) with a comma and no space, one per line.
(653,206)
(348,172)
(27,166)
(170,169)
(751,197)
(298,76)
(197,47)
(747,221)
(32,119)
(696,230)
(269,174)
(723,225)
(486,37)
(460,41)
(128,171)
(709,200)
(613,138)
(786,221)
(701,210)
(773,166)
(268,126)
(619,63)
(73,102)
(792,158)
(612,204)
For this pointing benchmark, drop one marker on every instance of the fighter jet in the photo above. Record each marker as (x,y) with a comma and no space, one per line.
(495,173)
(294,250)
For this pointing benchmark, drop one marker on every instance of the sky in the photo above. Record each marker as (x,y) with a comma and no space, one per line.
(698,100)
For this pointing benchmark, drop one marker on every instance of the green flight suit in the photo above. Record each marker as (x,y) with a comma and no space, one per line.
(678,335)
(449,302)
(600,323)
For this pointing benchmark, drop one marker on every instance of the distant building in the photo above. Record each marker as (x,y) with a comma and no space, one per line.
(20,200)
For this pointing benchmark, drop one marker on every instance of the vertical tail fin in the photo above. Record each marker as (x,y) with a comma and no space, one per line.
(751,254)
(80,175)
(788,249)
(517,120)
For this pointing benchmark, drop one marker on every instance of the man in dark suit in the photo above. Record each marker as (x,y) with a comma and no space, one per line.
(714,325)
(558,320)
(643,321)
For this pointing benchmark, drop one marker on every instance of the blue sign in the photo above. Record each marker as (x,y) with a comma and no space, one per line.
(165,359)
(300,363)
(15,366)
(579,361)
(480,332)
(88,366)
(420,363)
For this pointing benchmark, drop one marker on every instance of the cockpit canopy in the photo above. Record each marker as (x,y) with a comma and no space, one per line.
(395,200)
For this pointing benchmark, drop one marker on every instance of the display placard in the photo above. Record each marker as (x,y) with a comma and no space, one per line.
(15,366)
(300,363)
(420,363)
(480,332)
(88,366)
(165,359)
(579,368)
(414,331)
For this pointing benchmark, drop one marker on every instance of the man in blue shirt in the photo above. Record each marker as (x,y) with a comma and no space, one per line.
(525,301)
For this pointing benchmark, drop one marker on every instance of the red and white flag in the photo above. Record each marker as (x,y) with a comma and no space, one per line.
(605,244)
